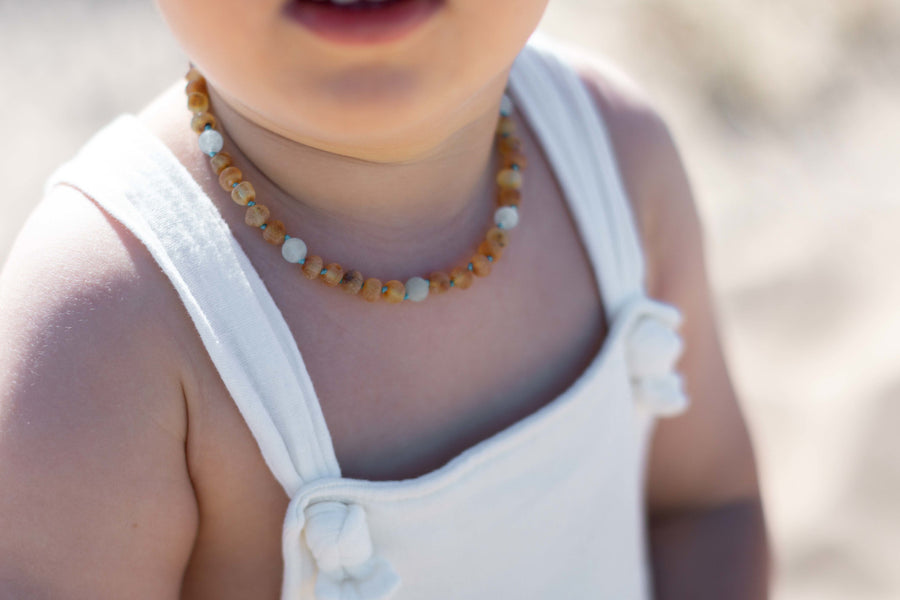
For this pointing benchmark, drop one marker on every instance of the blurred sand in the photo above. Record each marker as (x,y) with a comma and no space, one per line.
(788,117)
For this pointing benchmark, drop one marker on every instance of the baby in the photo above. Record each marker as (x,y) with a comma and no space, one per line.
(384,301)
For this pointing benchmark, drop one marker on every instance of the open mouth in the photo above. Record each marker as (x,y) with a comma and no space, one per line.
(362,21)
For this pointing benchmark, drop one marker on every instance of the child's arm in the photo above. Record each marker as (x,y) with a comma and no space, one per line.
(95,496)
(707,530)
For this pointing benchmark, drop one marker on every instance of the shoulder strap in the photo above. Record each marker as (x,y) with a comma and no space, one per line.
(560,109)
(136,179)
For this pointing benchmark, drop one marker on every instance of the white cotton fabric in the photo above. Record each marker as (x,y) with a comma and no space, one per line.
(551,507)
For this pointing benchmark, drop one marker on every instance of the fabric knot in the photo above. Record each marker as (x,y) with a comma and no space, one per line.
(653,350)
(338,537)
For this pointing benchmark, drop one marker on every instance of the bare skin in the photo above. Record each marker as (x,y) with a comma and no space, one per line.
(170,482)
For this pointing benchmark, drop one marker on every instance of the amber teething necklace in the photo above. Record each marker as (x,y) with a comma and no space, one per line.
(294,250)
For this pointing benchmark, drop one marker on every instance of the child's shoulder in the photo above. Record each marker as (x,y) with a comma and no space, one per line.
(93,421)
(650,166)
(708,447)
(81,303)
(70,256)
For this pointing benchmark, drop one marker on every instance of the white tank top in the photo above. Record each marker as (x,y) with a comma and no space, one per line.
(550,507)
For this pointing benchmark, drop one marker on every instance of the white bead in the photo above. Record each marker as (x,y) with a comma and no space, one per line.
(417,289)
(506,217)
(506,105)
(211,141)
(293,250)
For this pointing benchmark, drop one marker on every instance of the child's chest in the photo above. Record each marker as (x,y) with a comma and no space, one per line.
(402,395)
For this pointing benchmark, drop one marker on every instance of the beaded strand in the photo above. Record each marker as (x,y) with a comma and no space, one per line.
(294,249)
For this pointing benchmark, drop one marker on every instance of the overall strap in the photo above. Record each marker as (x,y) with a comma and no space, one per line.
(560,108)
(571,129)
(136,179)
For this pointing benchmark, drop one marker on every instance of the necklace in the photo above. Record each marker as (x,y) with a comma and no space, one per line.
(294,249)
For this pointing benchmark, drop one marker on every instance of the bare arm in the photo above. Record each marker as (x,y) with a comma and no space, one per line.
(707,528)
(95,497)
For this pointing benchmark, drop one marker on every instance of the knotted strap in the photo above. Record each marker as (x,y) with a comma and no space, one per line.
(337,535)
(652,350)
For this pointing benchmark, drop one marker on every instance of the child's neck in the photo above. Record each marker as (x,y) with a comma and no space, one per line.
(411,198)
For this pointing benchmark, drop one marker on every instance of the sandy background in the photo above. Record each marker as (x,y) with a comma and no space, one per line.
(788,117)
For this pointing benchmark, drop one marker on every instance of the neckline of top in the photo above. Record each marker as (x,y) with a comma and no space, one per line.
(496,445)
(506,437)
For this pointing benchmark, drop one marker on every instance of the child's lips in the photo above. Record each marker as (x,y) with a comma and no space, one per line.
(363,21)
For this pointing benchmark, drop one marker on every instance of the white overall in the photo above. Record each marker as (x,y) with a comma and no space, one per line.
(549,508)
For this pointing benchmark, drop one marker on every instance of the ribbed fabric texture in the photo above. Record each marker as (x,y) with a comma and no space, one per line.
(550,507)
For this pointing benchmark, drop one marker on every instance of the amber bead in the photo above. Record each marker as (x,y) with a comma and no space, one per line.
(201,120)
(509,144)
(256,215)
(481,266)
(497,236)
(274,232)
(195,87)
(508,197)
(371,289)
(506,126)
(352,282)
(230,176)
(461,277)
(491,249)
(438,282)
(193,74)
(395,291)
(220,161)
(198,103)
(312,268)
(333,274)
(509,178)
(514,158)
(243,193)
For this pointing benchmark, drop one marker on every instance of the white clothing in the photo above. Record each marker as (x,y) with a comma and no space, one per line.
(550,507)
